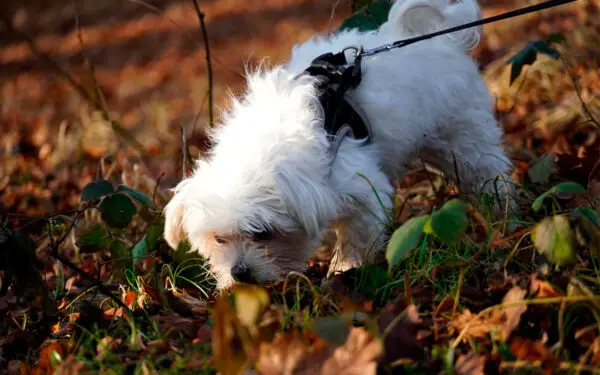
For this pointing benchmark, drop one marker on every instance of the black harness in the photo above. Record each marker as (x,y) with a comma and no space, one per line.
(337,76)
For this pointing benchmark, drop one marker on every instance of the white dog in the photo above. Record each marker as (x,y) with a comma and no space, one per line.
(272,187)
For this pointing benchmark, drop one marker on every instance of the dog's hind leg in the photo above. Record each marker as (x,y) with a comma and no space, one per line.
(471,155)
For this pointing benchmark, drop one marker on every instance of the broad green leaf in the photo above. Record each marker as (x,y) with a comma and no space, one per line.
(94,239)
(368,18)
(554,238)
(404,239)
(541,170)
(96,190)
(563,187)
(528,55)
(450,222)
(142,198)
(589,213)
(539,201)
(140,249)
(568,187)
(543,47)
(117,210)
(332,329)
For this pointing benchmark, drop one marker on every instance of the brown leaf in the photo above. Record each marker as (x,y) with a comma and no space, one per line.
(70,366)
(595,360)
(529,350)
(282,356)
(513,313)
(251,302)
(476,327)
(502,320)
(357,356)
(470,364)
(54,350)
(228,348)
(17,368)
(542,289)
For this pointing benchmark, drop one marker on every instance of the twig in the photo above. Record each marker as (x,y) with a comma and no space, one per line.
(185,153)
(208,64)
(331,16)
(156,187)
(578,92)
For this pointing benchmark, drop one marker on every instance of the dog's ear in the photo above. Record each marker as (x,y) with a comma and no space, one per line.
(311,204)
(174,232)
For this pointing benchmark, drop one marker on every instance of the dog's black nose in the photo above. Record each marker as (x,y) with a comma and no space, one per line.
(242,274)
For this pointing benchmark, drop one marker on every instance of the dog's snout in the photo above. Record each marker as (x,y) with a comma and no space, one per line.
(242,274)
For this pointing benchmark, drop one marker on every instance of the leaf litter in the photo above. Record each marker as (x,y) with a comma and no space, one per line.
(461,294)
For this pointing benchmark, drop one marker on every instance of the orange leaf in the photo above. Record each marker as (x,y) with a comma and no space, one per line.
(129,299)
(529,350)
(50,353)
(542,289)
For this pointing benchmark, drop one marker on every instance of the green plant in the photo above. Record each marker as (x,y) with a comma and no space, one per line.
(448,225)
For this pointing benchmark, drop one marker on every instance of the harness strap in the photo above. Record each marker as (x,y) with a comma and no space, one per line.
(342,117)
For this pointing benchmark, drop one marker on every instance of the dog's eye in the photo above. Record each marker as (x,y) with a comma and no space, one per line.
(220,240)
(264,235)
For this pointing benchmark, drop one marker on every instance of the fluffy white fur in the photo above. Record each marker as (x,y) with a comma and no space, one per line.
(270,167)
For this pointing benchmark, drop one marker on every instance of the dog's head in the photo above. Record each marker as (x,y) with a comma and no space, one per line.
(258,205)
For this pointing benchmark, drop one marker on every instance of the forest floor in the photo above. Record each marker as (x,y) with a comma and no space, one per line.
(78,295)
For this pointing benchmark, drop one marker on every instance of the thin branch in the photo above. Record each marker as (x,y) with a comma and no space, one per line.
(331,17)
(208,64)
(156,187)
(185,153)
(583,104)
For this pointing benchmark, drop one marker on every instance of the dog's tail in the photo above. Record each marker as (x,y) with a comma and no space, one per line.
(418,17)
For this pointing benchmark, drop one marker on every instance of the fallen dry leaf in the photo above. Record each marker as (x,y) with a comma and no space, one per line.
(288,355)
(358,356)
(281,357)
(70,366)
(251,302)
(54,352)
(512,314)
(470,364)
(529,350)
(228,347)
(542,289)
(501,320)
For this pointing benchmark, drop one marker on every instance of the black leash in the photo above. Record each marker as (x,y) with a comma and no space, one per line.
(500,17)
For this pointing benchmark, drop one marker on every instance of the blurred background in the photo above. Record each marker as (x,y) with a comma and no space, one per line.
(148,60)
